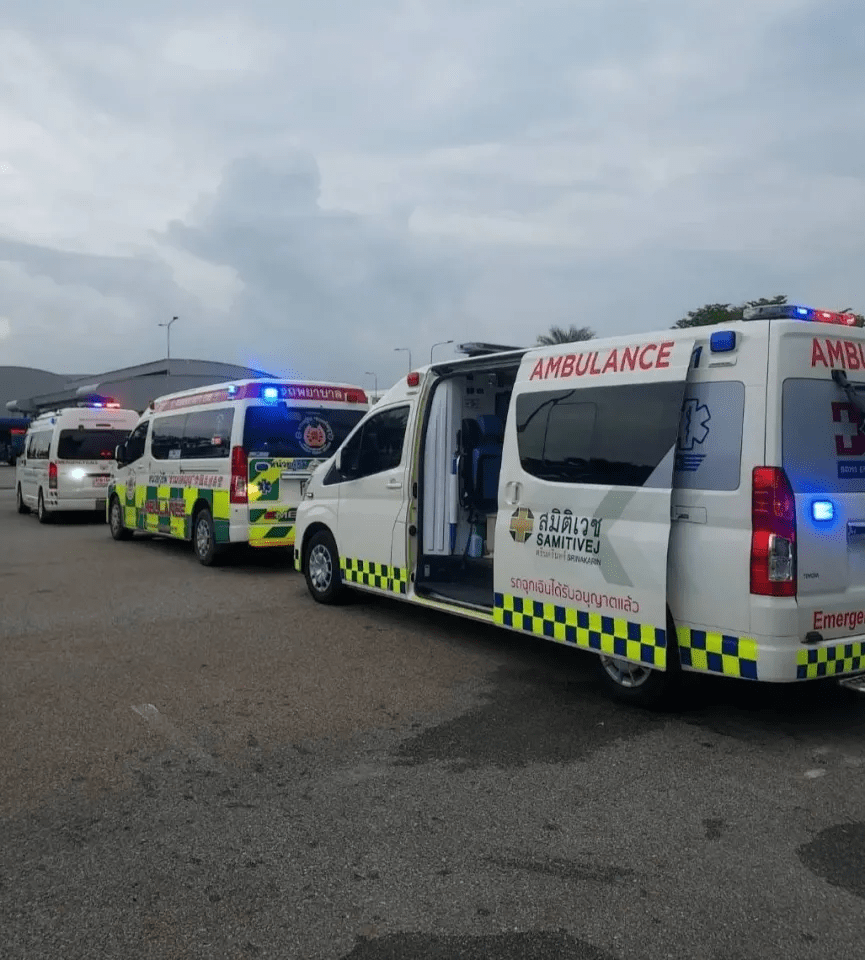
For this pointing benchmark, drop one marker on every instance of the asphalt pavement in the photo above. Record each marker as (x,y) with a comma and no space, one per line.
(203,763)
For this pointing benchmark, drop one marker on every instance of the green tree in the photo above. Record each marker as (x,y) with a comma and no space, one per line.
(713,313)
(560,335)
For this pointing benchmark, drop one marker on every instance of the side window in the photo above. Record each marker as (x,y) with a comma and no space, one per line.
(42,445)
(30,449)
(208,433)
(377,446)
(607,436)
(167,437)
(709,449)
(135,442)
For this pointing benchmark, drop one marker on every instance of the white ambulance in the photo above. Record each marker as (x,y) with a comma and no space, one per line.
(68,458)
(686,500)
(227,464)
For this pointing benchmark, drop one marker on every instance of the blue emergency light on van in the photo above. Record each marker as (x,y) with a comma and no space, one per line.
(270,393)
(723,341)
(823,511)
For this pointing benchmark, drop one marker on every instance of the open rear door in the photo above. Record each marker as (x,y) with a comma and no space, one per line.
(583,523)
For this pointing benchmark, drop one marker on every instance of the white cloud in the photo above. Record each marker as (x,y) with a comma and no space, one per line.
(309,184)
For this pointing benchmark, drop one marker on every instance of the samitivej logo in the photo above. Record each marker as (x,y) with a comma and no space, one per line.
(522,524)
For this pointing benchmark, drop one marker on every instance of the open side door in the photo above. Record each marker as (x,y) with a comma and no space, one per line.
(583,525)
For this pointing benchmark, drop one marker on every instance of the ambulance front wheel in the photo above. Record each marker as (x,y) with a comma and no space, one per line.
(323,577)
(115,521)
(20,505)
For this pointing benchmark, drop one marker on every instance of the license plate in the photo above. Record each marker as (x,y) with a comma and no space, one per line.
(100,481)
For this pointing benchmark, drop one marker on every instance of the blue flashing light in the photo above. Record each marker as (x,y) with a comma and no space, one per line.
(270,393)
(722,341)
(823,511)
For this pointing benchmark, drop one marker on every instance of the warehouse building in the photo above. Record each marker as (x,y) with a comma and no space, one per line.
(26,392)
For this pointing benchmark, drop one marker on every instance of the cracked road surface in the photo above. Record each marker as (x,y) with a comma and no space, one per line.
(204,763)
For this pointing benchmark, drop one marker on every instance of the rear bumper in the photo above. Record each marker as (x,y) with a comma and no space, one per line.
(87,503)
(769,659)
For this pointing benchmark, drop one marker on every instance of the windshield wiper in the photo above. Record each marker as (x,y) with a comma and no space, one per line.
(852,393)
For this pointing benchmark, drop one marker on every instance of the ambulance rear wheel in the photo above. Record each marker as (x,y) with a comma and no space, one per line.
(115,521)
(323,577)
(20,505)
(42,514)
(640,685)
(207,550)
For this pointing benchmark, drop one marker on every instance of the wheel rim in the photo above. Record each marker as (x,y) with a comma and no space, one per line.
(202,538)
(320,567)
(116,525)
(626,674)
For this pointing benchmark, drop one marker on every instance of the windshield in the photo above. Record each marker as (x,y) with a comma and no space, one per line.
(89,444)
(283,431)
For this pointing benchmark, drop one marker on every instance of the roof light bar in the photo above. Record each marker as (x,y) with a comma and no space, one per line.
(792,311)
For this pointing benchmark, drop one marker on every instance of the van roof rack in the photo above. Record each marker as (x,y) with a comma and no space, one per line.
(483,349)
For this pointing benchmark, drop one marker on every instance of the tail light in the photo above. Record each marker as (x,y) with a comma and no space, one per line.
(773,536)
(238,475)
(52,476)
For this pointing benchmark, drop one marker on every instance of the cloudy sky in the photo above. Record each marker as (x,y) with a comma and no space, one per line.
(309,185)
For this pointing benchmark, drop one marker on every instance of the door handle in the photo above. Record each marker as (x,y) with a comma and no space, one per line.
(394,484)
(513,491)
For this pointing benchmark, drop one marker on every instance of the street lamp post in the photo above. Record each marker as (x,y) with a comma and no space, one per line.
(406,350)
(370,373)
(441,343)
(168,335)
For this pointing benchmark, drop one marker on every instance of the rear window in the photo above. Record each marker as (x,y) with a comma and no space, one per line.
(284,431)
(616,436)
(822,448)
(89,444)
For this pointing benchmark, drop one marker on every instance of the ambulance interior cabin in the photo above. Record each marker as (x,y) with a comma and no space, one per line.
(458,498)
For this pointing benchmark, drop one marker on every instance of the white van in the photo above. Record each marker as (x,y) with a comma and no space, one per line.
(68,458)
(685,500)
(227,464)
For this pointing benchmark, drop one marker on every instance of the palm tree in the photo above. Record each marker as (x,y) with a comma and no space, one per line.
(560,335)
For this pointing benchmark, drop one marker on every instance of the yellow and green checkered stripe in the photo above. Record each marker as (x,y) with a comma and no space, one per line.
(830,661)
(718,653)
(149,509)
(377,575)
(591,631)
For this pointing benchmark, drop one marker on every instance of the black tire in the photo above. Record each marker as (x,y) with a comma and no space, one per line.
(115,521)
(322,570)
(642,686)
(42,515)
(204,546)
(20,505)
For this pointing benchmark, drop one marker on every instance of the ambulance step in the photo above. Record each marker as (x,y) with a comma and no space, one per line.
(856,683)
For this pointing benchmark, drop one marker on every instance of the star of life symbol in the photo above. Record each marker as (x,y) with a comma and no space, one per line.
(693,430)
(521,525)
(695,424)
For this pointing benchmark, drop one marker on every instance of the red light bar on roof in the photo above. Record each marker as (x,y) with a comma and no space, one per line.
(791,311)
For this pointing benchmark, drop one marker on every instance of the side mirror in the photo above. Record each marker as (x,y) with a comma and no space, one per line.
(120,454)
(337,462)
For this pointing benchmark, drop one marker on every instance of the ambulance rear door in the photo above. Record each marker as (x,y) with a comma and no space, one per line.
(817,402)
(583,524)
